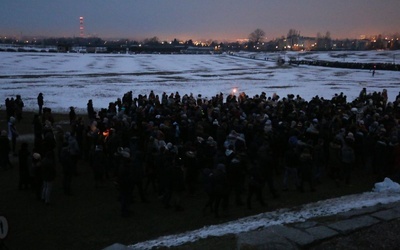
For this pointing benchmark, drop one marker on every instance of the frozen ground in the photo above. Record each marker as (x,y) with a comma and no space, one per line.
(72,79)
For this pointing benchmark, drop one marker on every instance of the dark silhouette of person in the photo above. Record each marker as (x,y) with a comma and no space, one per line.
(40,102)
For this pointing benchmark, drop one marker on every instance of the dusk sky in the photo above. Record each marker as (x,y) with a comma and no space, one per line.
(206,19)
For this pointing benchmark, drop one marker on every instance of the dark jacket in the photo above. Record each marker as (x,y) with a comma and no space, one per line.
(48,169)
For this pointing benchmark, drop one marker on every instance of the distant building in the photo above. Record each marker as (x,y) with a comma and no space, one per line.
(298,44)
(198,50)
(363,44)
(306,43)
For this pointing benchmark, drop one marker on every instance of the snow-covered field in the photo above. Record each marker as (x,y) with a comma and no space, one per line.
(72,79)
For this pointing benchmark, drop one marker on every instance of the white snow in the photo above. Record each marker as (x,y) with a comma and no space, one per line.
(72,79)
(387,185)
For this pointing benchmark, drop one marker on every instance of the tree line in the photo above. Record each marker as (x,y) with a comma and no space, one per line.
(256,41)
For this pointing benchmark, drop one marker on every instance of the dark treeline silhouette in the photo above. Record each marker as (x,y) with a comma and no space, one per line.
(348,65)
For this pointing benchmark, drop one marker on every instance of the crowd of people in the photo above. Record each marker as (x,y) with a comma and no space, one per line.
(230,147)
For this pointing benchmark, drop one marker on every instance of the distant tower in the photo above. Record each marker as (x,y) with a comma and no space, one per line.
(81,27)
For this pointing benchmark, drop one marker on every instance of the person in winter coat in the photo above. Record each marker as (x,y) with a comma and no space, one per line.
(380,157)
(319,160)
(90,110)
(125,180)
(40,102)
(24,161)
(37,132)
(221,189)
(267,163)
(13,134)
(190,162)
(49,142)
(335,160)
(209,188)
(49,175)
(36,173)
(10,107)
(348,158)
(235,172)
(175,184)
(74,151)
(256,185)
(72,118)
(98,162)
(291,164)
(5,149)
(19,105)
(67,168)
(59,138)
(138,171)
(394,158)
(306,170)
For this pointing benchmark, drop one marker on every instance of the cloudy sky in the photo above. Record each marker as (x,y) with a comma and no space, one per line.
(206,19)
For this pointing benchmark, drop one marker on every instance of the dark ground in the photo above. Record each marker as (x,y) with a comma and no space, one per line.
(90,218)
(381,236)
